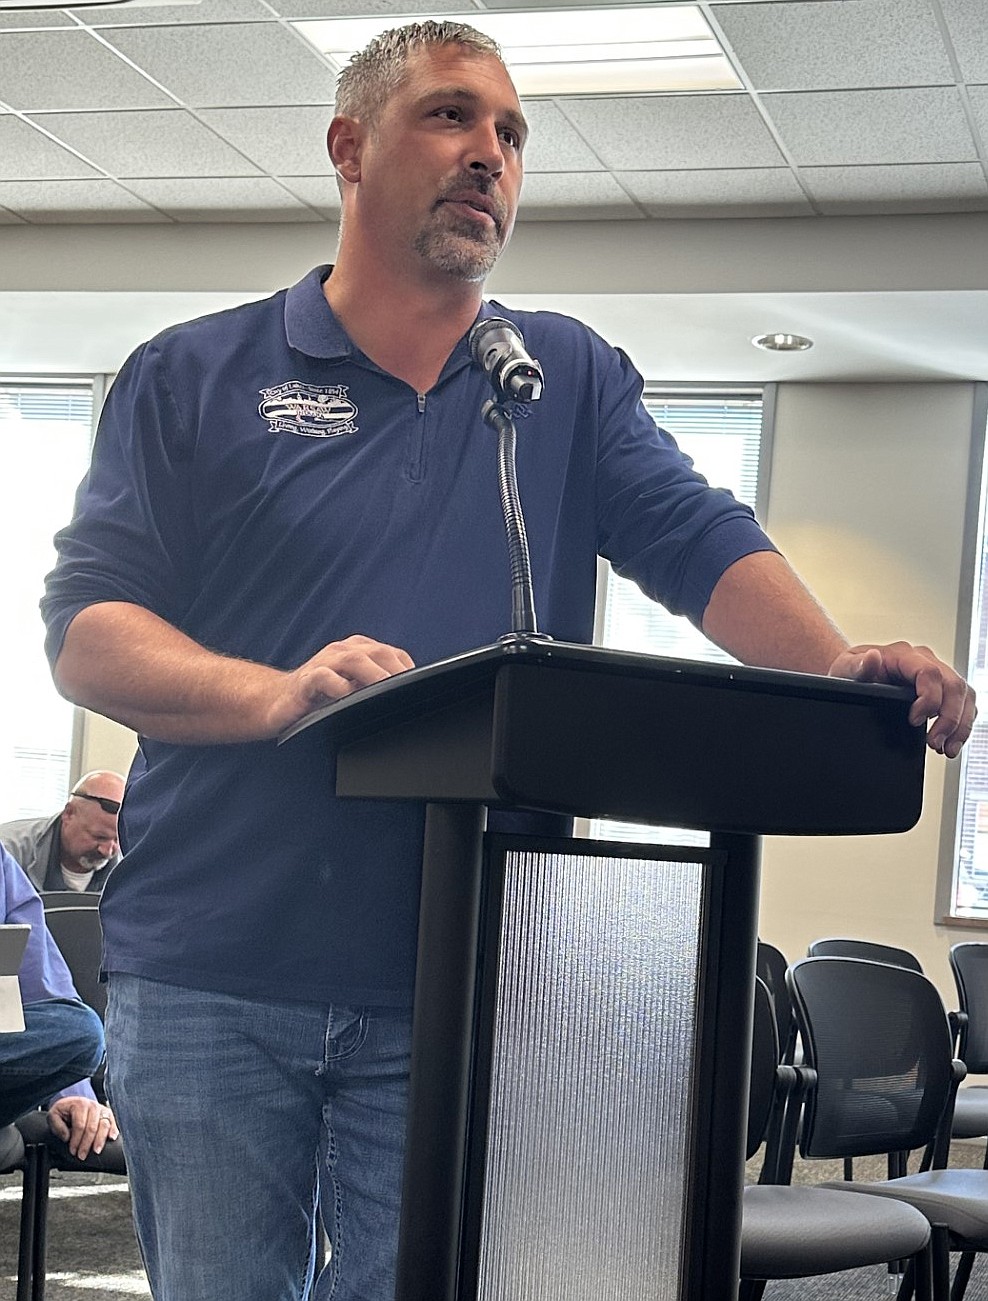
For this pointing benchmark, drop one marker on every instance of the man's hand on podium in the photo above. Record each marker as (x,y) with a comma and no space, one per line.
(334,672)
(941,693)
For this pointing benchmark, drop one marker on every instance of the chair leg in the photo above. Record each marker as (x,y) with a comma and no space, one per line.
(962,1275)
(921,1269)
(25,1246)
(751,1289)
(912,1281)
(940,1257)
(39,1263)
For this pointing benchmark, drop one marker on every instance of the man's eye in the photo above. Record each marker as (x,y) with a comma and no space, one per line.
(511,138)
(452,114)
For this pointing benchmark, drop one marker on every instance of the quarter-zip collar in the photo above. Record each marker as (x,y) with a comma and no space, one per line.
(311,326)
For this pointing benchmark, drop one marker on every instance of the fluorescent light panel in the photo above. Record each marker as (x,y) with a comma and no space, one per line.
(560,51)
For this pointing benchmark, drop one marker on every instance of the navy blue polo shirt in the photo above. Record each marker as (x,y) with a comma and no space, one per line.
(262,485)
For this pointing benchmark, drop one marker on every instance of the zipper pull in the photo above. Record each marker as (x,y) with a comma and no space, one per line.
(420,403)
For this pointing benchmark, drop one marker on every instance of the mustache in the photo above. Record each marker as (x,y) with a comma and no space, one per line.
(475,183)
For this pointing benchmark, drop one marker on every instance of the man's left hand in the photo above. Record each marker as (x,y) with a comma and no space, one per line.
(82,1123)
(941,694)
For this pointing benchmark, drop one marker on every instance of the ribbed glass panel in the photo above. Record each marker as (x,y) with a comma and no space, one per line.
(591,1079)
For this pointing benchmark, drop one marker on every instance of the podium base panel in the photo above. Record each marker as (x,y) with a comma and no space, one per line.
(593,1038)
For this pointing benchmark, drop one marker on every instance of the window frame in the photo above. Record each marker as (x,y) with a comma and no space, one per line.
(98,383)
(584,827)
(970,569)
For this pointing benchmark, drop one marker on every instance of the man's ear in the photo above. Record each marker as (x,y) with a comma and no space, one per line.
(344,141)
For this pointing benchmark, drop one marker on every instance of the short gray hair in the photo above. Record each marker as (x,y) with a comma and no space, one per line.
(374,73)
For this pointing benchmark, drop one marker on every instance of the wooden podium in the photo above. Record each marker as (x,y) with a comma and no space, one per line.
(583,1009)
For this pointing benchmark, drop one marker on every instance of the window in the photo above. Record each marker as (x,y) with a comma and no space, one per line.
(966,801)
(45,440)
(723,433)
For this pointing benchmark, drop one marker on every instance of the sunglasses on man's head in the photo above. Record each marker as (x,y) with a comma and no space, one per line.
(108,806)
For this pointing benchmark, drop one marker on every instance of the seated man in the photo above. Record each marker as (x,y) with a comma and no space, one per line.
(50,1061)
(75,849)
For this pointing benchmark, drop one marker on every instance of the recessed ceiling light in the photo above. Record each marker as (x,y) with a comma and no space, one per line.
(782,342)
(560,51)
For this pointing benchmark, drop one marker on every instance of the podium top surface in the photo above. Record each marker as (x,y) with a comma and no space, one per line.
(529,723)
(460,674)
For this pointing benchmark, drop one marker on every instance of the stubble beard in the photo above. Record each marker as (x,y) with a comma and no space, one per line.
(465,255)
(457,246)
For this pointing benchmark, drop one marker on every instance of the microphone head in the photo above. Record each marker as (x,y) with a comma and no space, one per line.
(498,348)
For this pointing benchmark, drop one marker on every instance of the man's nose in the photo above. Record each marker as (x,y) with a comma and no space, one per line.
(485,149)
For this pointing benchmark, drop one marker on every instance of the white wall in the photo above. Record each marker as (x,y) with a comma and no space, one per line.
(105,744)
(867,498)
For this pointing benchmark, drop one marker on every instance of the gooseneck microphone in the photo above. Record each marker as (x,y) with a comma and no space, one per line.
(499,350)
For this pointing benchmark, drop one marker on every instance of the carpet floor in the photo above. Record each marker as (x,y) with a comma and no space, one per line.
(93,1254)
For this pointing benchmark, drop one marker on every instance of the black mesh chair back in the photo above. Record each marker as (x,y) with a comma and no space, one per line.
(770,966)
(866,949)
(69,899)
(879,1040)
(969,963)
(79,936)
(764,1058)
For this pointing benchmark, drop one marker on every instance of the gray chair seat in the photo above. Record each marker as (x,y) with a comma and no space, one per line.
(794,1232)
(971,1112)
(957,1199)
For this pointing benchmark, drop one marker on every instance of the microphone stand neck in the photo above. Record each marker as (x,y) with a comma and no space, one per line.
(522,593)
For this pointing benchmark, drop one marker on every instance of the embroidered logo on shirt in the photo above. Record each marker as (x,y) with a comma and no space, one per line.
(312,410)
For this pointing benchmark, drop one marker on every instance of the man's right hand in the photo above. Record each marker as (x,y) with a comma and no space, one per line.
(127,663)
(334,672)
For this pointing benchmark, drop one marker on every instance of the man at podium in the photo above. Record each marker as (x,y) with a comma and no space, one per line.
(289,501)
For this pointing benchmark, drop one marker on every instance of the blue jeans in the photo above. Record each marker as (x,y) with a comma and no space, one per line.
(237,1116)
(61,1044)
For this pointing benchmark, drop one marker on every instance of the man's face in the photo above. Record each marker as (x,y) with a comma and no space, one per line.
(88,835)
(442,167)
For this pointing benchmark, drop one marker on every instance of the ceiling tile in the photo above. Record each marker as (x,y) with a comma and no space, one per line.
(153,15)
(945,187)
(825,46)
(27,155)
(89,76)
(166,143)
(832,128)
(287,141)
(574,196)
(32,18)
(74,202)
(967,26)
(676,131)
(554,145)
(319,192)
(727,192)
(240,64)
(223,199)
(978,99)
(403,11)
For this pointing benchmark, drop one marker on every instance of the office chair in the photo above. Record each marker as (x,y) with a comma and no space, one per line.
(867,949)
(789,1232)
(69,899)
(78,933)
(770,966)
(880,1042)
(79,937)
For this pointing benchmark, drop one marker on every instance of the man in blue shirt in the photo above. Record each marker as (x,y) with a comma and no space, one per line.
(293,500)
(61,1045)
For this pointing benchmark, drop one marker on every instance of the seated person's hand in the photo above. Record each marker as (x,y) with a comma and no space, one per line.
(83,1124)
